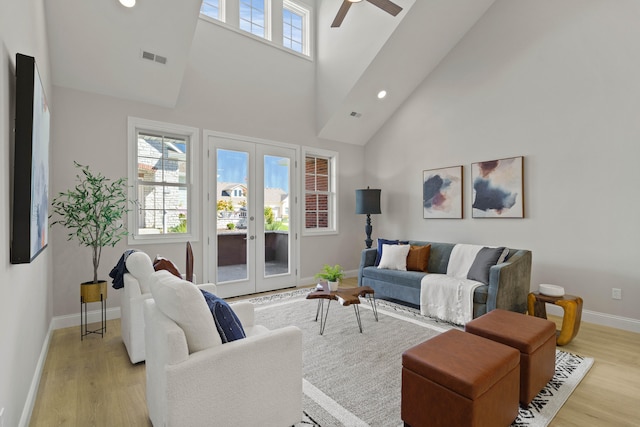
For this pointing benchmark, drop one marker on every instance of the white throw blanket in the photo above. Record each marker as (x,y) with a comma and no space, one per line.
(450,297)
(447,298)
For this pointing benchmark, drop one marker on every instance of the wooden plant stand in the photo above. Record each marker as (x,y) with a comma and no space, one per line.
(93,292)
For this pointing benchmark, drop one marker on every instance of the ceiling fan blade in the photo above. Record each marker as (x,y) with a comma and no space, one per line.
(346,4)
(387,5)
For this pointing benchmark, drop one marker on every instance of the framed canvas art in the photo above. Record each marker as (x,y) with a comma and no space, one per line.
(498,188)
(30,220)
(442,193)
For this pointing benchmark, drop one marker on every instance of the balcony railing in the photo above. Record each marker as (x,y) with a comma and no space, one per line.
(232,254)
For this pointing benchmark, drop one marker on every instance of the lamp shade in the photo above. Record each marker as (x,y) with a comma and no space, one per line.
(368,201)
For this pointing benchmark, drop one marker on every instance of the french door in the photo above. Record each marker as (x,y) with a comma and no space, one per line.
(251,216)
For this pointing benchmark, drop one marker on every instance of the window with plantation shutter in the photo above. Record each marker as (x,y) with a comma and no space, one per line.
(319,193)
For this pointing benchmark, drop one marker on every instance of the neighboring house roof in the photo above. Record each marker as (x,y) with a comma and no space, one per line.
(227,187)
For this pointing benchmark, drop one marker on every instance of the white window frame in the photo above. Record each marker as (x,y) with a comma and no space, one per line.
(221,12)
(273,22)
(333,191)
(267,21)
(136,125)
(305,12)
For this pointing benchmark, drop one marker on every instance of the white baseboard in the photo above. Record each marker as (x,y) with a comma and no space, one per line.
(25,417)
(57,322)
(604,319)
(93,316)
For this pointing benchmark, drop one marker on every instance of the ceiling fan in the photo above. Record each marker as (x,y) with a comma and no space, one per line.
(386,5)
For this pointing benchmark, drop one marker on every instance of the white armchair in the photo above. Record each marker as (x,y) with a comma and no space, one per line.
(254,381)
(136,292)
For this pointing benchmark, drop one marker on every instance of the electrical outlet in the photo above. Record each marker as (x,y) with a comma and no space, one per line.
(616,293)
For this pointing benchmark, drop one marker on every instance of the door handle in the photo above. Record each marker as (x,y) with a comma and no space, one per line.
(250,238)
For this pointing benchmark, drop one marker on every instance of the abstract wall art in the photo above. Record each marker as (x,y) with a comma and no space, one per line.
(442,193)
(30,219)
(498,189)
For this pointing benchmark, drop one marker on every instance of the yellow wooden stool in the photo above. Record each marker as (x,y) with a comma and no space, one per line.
(572,306)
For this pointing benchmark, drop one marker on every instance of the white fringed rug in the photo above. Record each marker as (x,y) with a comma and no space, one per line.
(354,379)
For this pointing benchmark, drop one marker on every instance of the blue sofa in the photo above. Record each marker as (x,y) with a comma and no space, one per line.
(508,287)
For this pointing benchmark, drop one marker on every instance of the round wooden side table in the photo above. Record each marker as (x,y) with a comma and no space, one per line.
(93,292)
(572,306)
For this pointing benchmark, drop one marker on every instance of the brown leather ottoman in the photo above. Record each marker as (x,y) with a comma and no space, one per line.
(535,338)
(459,379)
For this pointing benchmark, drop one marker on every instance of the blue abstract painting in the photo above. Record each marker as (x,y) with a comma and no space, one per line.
(442,193)
(498,188)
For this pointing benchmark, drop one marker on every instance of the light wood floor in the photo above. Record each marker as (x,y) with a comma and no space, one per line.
(93,383)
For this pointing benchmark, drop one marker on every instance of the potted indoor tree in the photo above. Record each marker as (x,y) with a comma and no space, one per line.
(332,274)
(93,212)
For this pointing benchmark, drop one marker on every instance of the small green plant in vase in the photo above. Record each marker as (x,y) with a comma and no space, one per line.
(332,274)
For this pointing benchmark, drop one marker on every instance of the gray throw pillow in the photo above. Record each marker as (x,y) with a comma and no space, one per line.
(485,259)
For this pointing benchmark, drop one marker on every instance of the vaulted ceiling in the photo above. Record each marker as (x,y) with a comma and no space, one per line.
(97,46)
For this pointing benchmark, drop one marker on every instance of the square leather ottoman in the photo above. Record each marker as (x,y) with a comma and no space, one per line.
(535,338)
(459,379)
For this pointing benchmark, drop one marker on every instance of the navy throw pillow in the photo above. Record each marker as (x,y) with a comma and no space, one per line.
(387,242)
(227,323)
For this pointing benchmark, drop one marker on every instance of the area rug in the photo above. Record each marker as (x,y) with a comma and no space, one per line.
(354,379)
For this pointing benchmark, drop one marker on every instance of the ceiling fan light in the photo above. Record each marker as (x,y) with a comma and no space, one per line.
(128,3)
(355,1)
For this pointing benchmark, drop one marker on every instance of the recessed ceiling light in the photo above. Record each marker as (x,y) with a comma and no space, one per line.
(128,3)
(382,94)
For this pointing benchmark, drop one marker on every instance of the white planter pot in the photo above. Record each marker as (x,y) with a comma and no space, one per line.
(333,286)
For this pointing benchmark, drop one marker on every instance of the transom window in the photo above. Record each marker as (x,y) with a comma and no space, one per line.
(212,8)
(281,23)
(293,27)
(161,170)
(252,17)
(319,193)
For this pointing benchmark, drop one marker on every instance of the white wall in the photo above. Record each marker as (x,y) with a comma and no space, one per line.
(555,82)
(25,290)
(265,93)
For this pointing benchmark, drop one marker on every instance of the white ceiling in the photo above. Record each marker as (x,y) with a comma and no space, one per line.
(424,33)
(96,46)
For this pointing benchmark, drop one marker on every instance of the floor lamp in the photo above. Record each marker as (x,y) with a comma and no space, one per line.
(368,202)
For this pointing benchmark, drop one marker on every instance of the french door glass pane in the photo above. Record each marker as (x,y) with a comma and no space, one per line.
(232,193)
(276,215)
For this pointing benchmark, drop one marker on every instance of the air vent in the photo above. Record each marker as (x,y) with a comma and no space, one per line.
(356,114)
(153,57)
